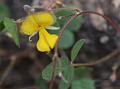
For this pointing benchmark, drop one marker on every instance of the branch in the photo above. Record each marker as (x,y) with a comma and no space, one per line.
(54,59)
(61,32)
(8,69)
(13,58)
(99,61)
(78,14)
(111,22)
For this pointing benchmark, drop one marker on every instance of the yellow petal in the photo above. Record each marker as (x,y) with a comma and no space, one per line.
(50,38)
(42,45)
(29,26)
(46,41)
(44,18)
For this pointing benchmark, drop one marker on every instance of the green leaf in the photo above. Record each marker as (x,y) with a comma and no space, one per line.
(75,24)
(64,62)
(67,39)
(11,28)
(46,73)
(66,66)
(68,75)
(76,48)
(63,85)
(1,26)
(81,72)
(67,72)
(41,83)
(83,83)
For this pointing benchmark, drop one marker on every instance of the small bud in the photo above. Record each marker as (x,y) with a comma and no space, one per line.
(27,7)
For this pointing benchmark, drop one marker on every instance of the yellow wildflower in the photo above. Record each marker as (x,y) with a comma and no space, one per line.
(38,22)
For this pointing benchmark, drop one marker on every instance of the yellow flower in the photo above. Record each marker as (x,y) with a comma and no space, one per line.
(38,22)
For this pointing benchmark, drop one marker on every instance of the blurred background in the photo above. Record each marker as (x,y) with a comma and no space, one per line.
(101,39)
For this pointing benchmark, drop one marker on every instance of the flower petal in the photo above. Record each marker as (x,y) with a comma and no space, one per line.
(42,45)
(46,41)
(50,38)
(44,18)
(29,25)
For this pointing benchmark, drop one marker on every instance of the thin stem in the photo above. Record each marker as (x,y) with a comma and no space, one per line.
(7,71)
(83,13)
(54,59)
(99,61)
(61,32)
(105,17)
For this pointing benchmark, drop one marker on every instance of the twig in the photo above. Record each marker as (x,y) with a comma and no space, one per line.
(99,61)
(8,69)
(54,59)
(62,30)
(111,22)
(83,13)
(13,59)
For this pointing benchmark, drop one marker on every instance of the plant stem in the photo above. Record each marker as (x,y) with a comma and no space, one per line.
(62,30)
(113,24)
(99,61)
(7,71)
(83,13)
(54,59)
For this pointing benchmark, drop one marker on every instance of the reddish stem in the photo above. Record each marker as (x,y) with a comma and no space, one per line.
(83,13)
(111,22)
(61,32)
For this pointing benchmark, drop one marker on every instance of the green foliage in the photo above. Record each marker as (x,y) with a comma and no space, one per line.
(68,75)
(1,26)
(83,83)
(63,62)
(75,24)
(4,11)
(11,28)
(46,73)
(76,48)
(67,39)
(59,67)
(8,25)
(82,78)
(63,85)
(82,71)
(41,83)
(76,78)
